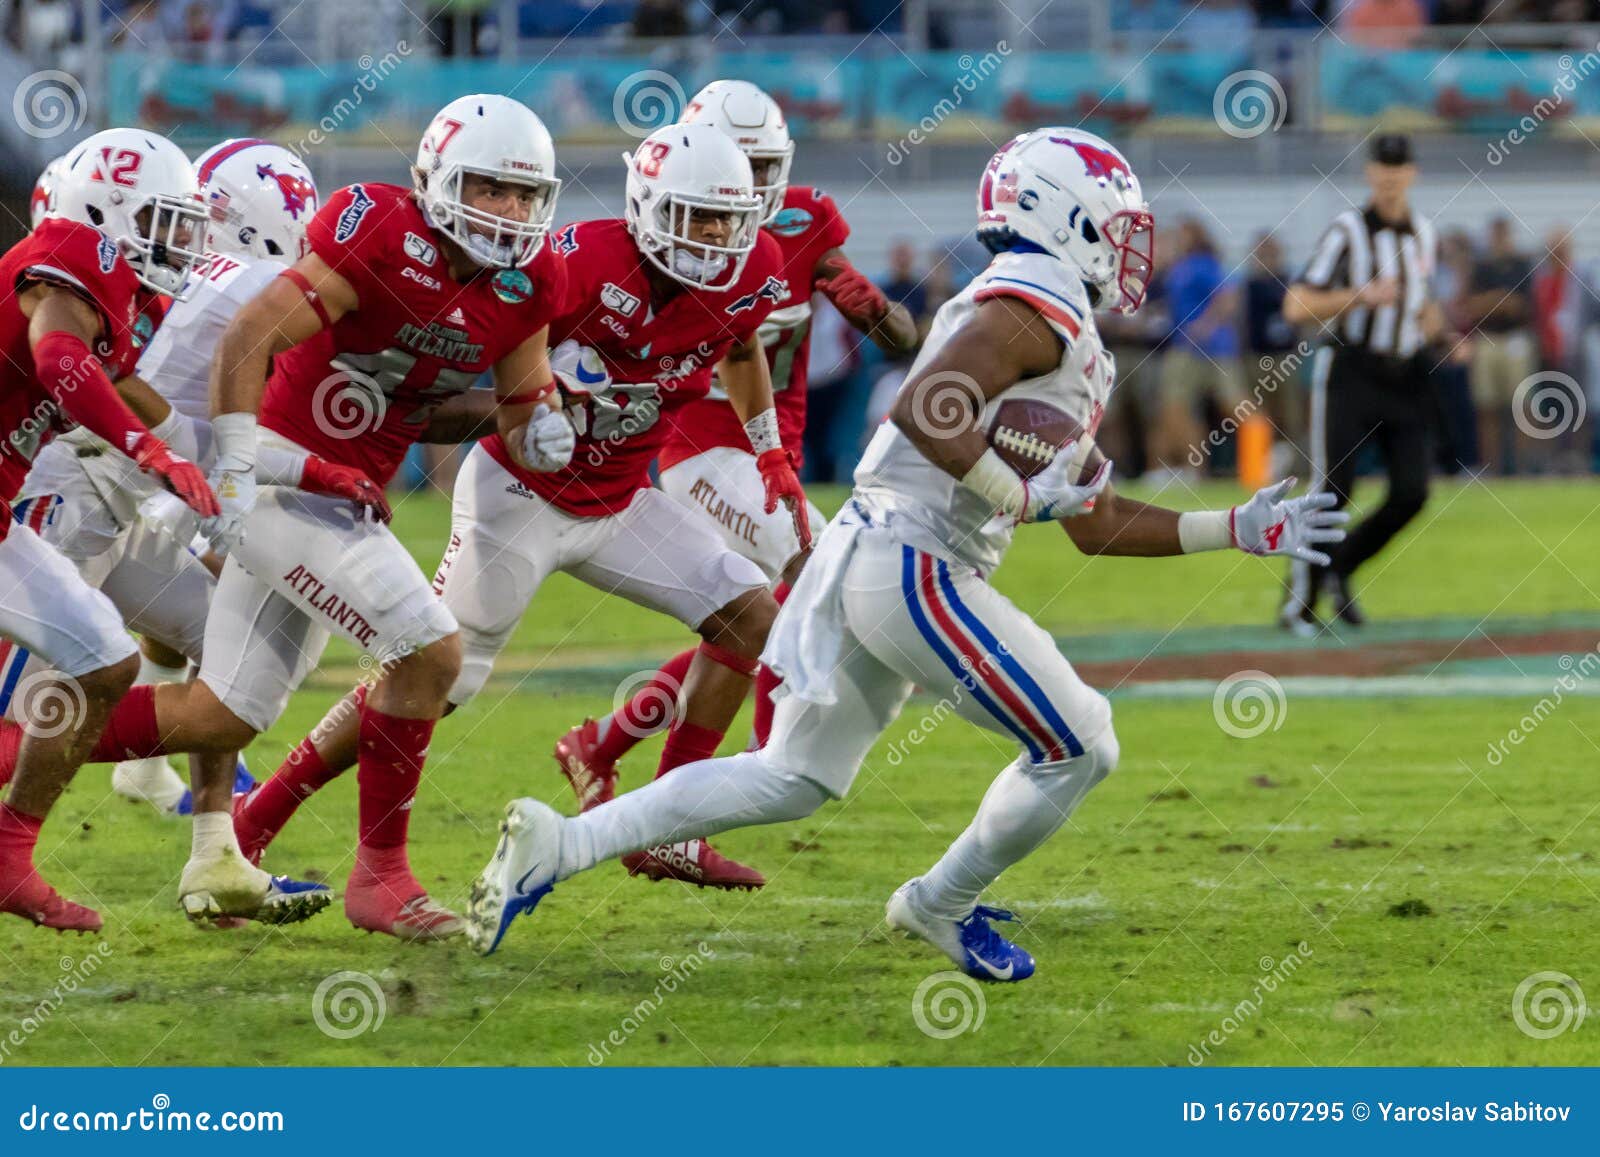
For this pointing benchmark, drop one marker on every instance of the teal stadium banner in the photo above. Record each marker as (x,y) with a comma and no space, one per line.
(899,98)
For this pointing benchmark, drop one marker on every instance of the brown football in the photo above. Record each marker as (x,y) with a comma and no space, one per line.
(1026,433)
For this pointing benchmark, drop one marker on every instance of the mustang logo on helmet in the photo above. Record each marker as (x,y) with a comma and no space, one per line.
(1097,162)
(297,191)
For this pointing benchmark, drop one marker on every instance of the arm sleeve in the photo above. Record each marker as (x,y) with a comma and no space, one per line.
(73,377)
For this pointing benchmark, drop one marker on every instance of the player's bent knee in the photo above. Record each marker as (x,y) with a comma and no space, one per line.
(110,682)
(743,625)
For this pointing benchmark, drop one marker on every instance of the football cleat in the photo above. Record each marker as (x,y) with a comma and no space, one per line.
(153,781)
(226,885)
(977,949)
(521,872)
(375,907)
(593,779)
(35,900)
(693,862)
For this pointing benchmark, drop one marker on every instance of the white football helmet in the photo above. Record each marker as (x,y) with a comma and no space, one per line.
(1074,196)
(138,188)
(43,189)
(492,136)
(260,197)
(681,170)
(753,121)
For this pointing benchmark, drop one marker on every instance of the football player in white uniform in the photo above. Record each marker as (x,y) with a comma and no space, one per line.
(895,594)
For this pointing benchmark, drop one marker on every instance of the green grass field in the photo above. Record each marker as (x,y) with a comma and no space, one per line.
(1360,884)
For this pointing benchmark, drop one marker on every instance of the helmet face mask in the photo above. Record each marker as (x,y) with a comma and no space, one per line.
(170,239)
(496,138)
(678,176)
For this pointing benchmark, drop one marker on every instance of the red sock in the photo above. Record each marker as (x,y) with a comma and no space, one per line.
(19,832)
(388,771)
(274,802)
(686,743)
(766,683)
(131,732)
(10,744)
(649,710)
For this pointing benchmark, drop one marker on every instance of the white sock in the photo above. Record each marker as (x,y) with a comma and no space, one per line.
(1021,810)
(213,835)
(695,800)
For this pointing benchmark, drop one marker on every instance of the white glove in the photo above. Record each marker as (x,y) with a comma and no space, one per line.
(1272,524)
(579,367)
(1051,494)
(236,495)
(547,440)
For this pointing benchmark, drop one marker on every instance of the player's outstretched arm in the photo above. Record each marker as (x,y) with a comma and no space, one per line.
(888,324)
(296,305)
(1270,523)
(528,408)
(61,329)
(745,376)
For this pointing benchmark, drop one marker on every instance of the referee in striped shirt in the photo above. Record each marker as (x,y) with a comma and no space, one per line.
(1368,290)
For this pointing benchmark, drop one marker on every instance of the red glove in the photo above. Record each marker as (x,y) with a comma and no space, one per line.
(783,485)
(178,475)
(852,293)
(323,477)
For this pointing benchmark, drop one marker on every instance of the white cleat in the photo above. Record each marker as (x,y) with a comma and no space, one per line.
(519,874)
(224,884)
(973,946)
(153,781)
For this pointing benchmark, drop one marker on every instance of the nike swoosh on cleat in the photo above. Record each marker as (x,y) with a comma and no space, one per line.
(521,890)
(997,973)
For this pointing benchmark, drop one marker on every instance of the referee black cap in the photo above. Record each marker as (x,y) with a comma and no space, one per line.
(1392,149)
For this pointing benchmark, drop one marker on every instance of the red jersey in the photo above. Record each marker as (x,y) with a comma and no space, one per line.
(360,392)
(86,261)
(659,361)
(808,225)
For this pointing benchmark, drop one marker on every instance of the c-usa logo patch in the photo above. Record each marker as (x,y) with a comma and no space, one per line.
(350,220)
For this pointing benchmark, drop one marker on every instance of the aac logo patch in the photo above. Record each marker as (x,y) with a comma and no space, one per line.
(791,222)
(773,289)
(512,286)
(614,297)
(107,252)
(350,220)
(419,250)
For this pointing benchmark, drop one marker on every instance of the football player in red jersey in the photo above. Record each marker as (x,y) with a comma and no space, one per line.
(406,297)
(127,226)
(681,285)
(706,462)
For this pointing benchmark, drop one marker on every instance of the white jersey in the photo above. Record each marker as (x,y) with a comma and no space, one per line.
(177,365)
(934,511)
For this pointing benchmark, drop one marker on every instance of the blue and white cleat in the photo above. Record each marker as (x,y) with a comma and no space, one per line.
(243,784)
(977,949)
(520,874)
(291,901)
(222,889)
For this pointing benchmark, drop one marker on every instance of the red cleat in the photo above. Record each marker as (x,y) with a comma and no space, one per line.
(397,905)
(695,862)
(593,779)
(33,899)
